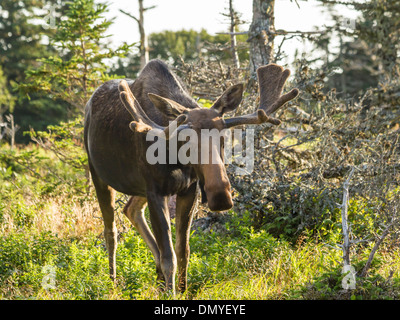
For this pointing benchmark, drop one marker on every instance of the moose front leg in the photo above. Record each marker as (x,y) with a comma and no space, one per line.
(185,204)
(160,222)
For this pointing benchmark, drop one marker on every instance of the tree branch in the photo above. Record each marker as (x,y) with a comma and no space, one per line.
(130,15)
(384,234)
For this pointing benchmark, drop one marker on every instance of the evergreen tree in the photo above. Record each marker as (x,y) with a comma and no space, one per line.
(80,65)
(379,29)
(7,101)
(20,38)
(189,45)
(22,42)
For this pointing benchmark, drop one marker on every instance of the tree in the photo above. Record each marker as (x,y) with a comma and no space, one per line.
(144,46)
(72,76)
(262,33)
(261,36)
(7,101)
(379,26)
(234,21)
(368,55)
(22,42)
(186,45)
(80,65)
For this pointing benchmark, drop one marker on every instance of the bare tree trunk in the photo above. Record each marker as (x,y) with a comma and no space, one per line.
(235,55)
(12,131)
(345,225)
(144,48)
(342,76)
(261,35)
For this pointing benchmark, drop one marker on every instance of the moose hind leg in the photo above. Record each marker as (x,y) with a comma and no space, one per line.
(134,210)
(106,199)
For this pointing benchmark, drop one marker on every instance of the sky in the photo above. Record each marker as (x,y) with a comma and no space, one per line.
(206,14)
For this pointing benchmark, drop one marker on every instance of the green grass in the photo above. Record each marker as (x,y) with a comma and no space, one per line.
(63,230)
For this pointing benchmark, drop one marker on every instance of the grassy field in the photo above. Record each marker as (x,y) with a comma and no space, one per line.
(49,229)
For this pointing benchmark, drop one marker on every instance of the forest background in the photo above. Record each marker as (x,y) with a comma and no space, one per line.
(335,157)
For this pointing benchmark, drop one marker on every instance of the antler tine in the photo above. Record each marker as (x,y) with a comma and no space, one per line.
(271,80)
(257,117)
(133,106)
(142,123)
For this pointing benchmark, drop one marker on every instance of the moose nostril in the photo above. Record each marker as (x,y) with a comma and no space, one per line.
(220,201)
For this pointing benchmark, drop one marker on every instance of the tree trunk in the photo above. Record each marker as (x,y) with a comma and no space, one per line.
(144,48)
(235,55)
(261,35)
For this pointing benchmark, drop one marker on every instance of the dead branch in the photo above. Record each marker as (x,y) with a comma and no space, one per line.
(345,226)
(384,234)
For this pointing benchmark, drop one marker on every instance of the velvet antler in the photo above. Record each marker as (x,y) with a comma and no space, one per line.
(142,123)
(271,80)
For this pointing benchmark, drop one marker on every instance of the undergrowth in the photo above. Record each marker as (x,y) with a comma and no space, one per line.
(46,226)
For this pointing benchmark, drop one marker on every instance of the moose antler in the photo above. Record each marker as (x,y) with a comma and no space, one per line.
(142,123)
(271,80)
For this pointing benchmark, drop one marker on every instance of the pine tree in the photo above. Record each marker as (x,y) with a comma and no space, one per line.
(20,39)
(22,42)
(80,65)
(7,101)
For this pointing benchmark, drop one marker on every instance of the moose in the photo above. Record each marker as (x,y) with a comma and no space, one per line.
(118,117)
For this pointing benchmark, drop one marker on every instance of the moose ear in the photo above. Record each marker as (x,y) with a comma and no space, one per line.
(169,107)
(229,100)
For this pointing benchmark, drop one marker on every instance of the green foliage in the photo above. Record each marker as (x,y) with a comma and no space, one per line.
(217,257)
(234,261)
(368,53)
(190,45)
(21,38)
(65,140)
(328,286)
(380,29)
(80,65)
(22,42)
(32,170)
(7,101)
(186,45)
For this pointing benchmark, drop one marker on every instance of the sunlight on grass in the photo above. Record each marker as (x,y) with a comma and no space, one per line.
(53,227)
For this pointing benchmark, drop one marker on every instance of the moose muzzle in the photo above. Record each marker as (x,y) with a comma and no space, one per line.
(218,192)
(220,201)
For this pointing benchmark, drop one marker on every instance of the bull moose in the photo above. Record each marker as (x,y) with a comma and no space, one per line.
(118,117)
